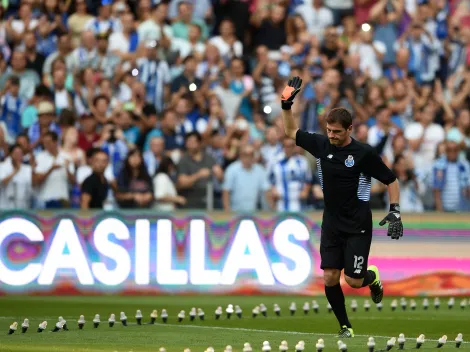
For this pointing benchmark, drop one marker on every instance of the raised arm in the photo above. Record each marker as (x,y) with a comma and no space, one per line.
(287,99)
(314,143)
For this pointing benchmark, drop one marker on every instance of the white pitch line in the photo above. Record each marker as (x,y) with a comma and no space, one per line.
(279,332)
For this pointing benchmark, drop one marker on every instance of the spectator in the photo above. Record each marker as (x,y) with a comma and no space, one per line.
(16,28)
(104,22)
(95,188)
(113,143)
(62,52)
(135,187)
(155,26)
(290,179)
(166,197)
(15,181)
(78,21)
(227,42)
(317,16)
(29,79)
(125,43)
(195,170)
(245,183)
(272,149)
(460,134)
(154,156)
(34,59)
(270,27)
(424,136)
(155,75)
(12,107)
(451,180)
(181,83)
(371,53)
(45,123)
(87,135)
(185,19)
(105,60)
(71,149)
(53,174)
(174,139)
(411,189)
(63,98)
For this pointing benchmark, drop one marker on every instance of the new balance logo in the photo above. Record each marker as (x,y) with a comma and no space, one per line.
(357,271)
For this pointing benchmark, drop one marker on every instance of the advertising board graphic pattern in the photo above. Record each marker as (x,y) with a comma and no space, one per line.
(147,253)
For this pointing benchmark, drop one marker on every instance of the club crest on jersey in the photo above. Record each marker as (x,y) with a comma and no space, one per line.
(349,162)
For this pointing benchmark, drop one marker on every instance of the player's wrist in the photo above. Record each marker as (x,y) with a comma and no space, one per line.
(286,105)
(394,207)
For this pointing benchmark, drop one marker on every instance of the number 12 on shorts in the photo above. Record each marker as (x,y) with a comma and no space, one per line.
(358,261)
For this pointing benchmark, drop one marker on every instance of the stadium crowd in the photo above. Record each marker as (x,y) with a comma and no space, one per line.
(176,104)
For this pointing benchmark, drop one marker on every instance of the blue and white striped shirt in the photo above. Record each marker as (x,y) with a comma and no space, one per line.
(155,75)
(117,153)
(11,110)
(452,179)
(289,176)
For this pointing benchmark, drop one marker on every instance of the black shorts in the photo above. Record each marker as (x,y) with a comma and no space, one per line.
(345,251)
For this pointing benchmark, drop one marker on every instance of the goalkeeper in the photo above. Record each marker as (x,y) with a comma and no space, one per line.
(345,168)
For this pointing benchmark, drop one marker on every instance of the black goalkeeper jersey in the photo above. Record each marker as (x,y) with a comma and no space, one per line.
(345,177)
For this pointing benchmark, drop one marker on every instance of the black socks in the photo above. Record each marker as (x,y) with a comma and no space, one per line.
(369,278)
(335,296)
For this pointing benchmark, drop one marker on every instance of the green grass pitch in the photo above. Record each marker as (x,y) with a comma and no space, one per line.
(199,335)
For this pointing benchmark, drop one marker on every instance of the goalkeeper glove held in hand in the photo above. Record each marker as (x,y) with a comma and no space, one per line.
(395,226)
(289,92)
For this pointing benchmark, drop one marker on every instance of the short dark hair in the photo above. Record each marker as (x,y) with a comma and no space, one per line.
(100,97)
(14,80)
(341,116)
(90,152)
(193,134)
(149,109)
(54,136)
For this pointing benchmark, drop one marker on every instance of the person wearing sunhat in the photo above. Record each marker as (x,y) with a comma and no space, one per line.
(46,122)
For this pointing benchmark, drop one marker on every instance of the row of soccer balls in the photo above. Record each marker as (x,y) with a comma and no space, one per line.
(300,346)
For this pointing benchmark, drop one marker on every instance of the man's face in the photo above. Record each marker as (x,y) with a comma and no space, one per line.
(88,125)
(59,78)
(64,43)
(193,145)
(170,120)
(289,147)
(247,157)
(18,61)
(49,144)
(383,117)
(127,23)
(102,45)
(361,133)
(277,14)
(157,145)
(17,155)
(194,32)
(105,11)
(452,151)
(30,41)
(99,162)
(45,120)
(337,134)
(22,141)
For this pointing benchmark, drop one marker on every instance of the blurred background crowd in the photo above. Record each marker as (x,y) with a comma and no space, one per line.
(176,104)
